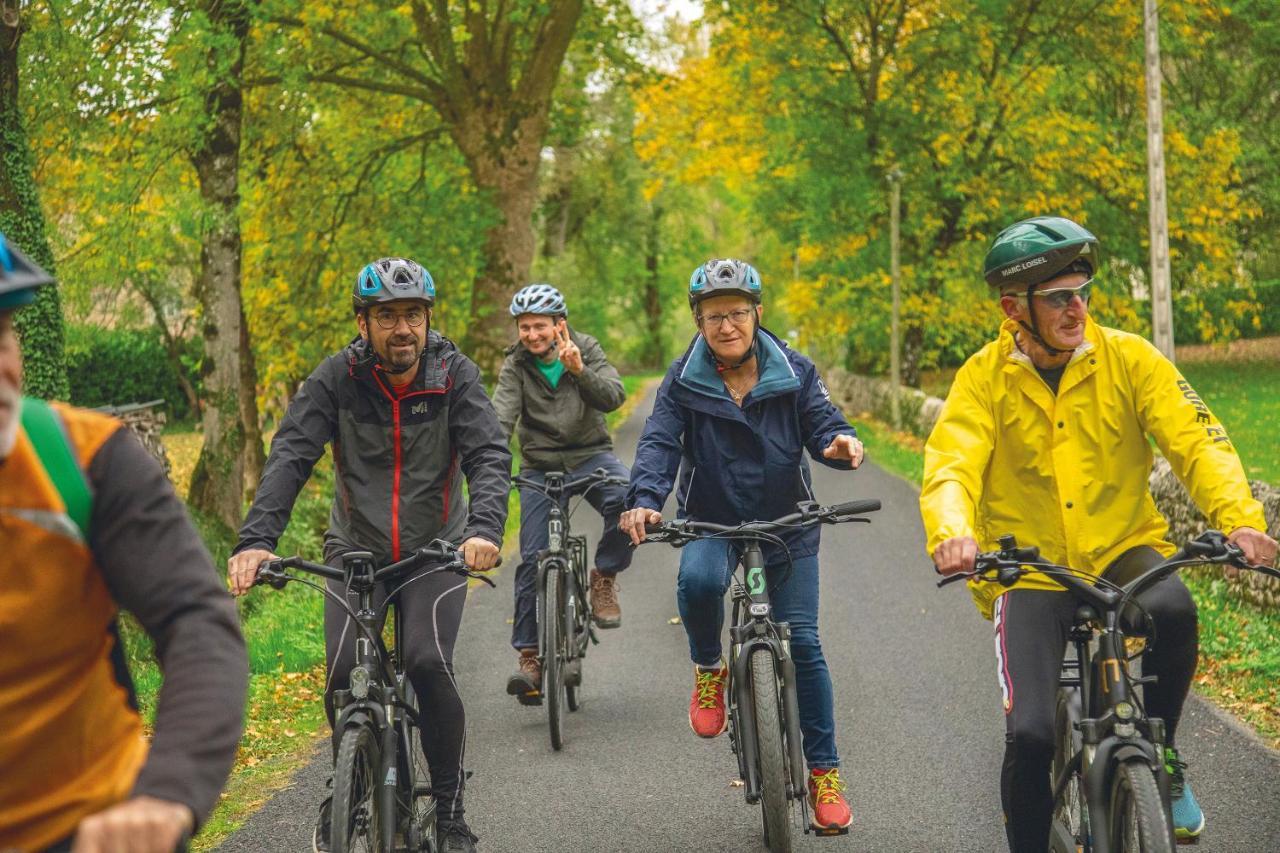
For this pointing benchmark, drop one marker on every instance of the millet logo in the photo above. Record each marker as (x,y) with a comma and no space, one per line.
(419,408)
(1025,265)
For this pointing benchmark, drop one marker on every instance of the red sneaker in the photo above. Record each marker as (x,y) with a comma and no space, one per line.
(707,715)
(830,810)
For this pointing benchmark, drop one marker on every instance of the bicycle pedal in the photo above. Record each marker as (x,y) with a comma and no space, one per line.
(529,698)
(591,632)
(829,831)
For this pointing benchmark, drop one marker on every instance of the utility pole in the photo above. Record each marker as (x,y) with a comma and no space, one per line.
(1161,296)
(895,347)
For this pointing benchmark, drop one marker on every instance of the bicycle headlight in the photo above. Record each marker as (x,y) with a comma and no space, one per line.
(360,682)
(1124,711)
(758,609)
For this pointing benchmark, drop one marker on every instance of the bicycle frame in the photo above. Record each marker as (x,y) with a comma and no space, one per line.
(378,692)
(562,547)
(760,630)
(1108,733)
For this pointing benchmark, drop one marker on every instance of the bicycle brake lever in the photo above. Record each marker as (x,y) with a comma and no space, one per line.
(959,576)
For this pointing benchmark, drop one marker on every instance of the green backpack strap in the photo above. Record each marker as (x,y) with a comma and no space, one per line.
(53,448)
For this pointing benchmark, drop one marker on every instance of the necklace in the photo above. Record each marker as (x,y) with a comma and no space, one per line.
(735,393)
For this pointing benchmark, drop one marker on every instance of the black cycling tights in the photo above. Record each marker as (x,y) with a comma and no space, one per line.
(1031,637)
(431,607)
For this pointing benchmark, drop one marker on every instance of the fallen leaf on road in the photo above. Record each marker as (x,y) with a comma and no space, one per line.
(674,620)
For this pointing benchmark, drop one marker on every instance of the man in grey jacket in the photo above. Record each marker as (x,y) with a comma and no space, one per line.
(407,416)
(556,384)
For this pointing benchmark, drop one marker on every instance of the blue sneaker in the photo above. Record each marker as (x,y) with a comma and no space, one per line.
(1188,820)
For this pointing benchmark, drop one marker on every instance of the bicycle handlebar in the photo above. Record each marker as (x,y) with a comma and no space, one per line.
(599,476)
(686,530)
(272,572)
(1007,565)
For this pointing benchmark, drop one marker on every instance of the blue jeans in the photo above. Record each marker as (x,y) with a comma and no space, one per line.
(706,569)
(613,554)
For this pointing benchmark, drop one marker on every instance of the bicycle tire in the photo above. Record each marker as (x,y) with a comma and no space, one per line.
(354,825)
(575,633)
(415,805)
(770,752)
(553,688)
(1070,828)
(1138,818)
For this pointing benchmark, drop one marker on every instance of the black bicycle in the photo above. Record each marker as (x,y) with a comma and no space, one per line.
(764,713)
(382,800)
(564,608)
(1110,791)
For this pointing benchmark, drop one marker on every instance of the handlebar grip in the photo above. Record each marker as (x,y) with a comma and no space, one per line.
(856,507)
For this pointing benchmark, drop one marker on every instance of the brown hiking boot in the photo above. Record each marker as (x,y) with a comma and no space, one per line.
(526,683)
(606,612)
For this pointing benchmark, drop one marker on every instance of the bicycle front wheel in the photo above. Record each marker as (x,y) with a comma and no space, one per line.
(1138,818)
(770,752)
(575,632)
(553,646)
(354,823)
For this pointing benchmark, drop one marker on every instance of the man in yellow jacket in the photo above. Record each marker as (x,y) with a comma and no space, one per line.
(1044,435)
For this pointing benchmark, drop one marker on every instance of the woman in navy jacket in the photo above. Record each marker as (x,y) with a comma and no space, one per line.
(734,415)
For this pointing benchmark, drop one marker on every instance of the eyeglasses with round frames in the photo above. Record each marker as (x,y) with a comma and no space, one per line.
(388,320)
(738,316)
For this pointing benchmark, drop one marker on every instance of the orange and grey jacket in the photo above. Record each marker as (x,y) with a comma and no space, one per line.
(1068,473)
(71,740)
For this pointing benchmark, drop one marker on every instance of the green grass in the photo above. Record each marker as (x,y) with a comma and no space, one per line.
(899,452)
(1239,654)
(1246,398)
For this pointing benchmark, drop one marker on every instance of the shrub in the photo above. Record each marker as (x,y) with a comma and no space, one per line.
(117,366)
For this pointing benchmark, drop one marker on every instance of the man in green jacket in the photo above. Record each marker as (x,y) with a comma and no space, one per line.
(556,384)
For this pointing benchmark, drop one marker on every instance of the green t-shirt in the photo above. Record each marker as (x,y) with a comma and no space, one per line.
(552,371)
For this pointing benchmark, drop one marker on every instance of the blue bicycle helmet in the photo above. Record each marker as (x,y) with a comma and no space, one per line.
(539,298)
(389,279)
(19,277)
(721,276)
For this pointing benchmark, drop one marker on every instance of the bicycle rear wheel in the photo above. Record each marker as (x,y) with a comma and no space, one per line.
(770,752)
(415,805)
(1138,818)
(1069,831)
(354,826)
(553,647)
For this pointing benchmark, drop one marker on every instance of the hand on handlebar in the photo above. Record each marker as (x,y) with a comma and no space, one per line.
(1259,548)
(242,569)
(957,554)
(633,521)
(480,555)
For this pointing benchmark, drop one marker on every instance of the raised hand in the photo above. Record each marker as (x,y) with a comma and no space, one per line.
(570,355)
(845,447)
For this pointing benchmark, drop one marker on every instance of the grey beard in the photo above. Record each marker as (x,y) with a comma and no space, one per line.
(9,432)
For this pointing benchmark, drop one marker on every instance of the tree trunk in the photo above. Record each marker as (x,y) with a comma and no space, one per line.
(505,167)
(558,204)
(217,485)
(655,345)
(172,348)
(255,457)
(21,221)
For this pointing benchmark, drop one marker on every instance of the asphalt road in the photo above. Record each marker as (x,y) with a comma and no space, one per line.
(918,717)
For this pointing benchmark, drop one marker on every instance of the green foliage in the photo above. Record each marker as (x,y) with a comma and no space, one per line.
(117,366)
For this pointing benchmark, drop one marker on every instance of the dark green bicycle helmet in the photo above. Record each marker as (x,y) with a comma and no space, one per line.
(1035,250)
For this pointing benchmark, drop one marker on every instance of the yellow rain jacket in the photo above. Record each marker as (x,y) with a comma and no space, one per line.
(1069,473)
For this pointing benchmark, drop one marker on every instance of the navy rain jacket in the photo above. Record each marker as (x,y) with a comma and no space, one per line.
(737,464)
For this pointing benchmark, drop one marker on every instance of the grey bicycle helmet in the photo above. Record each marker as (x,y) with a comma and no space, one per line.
(389,279)
(721,276)
(539,298)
